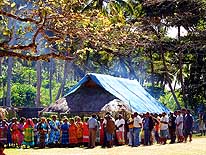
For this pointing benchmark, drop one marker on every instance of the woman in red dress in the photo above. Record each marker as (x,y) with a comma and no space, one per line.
(79,125)
(85,132)
(72,133)
(14,131)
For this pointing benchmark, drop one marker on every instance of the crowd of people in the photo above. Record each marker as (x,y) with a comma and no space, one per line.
(145,129)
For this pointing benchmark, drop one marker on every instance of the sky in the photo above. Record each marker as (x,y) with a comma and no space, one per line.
(172,32)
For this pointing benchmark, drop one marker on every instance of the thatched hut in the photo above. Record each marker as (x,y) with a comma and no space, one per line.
(94,91)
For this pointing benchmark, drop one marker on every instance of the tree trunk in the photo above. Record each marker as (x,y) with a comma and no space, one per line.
(61,88)
(152,71)
(50,79)
(181,75)
(168,79)
(123,69)
(131,69)
(1,66)
(9,78)
(38,86)
(2,83)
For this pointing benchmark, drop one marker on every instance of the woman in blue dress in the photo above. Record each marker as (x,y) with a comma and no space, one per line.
(54,132)
(65,132)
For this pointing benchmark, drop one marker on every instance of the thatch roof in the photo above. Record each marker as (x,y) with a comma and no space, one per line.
(86,99)
(116,105)
(60,106)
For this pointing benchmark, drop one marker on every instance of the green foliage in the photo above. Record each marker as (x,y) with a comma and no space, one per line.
(23,95)
(169,101)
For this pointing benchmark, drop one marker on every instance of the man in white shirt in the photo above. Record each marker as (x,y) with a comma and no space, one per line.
(179,127)
(164,120)
(137,128)
(119,123)
(92,125)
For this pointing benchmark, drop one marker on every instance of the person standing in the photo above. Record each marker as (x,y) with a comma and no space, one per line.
(43,129)
(188,124)
(54,132)
(119,123)
(65,132)
(164,128)
(137,125)
(204,121)
(15,131)
(157,128)
(36,134)
(29,133)
(130,124)
(110,129)
(92,125)
(179,127)
(201,124)
(79,125)
(147,129)
(72,133)
(172,127)
(3,132)
(85,132)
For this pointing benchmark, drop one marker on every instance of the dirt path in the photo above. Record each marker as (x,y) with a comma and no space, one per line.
(197,147)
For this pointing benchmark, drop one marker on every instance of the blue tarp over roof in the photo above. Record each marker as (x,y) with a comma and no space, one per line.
(129,91)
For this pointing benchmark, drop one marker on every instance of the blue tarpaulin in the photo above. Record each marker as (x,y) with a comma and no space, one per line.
(129,91)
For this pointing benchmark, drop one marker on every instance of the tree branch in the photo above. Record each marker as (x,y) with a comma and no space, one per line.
(21,19)
(45,57)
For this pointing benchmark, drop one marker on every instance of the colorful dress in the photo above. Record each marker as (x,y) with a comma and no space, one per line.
(36,135)
(21,135)
(29,136)
(73,134)
(3,133)
(65,133)
(15,133)
(120,131)
(54,133)
(43,130)
(79,131)
(85,133)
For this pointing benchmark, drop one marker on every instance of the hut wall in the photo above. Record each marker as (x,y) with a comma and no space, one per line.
(88,99)
(28,112)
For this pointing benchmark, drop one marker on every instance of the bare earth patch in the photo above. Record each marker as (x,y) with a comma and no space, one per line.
(196,147)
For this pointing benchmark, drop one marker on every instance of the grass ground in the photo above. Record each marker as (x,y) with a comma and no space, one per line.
(196,147)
